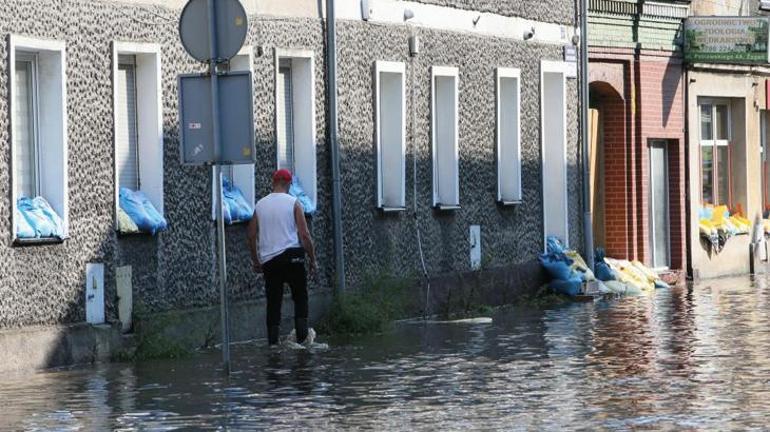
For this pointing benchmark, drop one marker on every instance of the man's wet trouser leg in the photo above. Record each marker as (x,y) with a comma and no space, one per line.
(297,277)
(274,297)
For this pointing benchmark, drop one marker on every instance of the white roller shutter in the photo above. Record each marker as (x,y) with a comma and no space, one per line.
(284,118)
(126,135)
(25,158)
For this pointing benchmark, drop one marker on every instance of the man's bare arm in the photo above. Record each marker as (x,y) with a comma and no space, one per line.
(252,239)
(304,234)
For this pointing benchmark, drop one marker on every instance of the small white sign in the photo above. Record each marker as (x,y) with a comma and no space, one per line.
(194,126)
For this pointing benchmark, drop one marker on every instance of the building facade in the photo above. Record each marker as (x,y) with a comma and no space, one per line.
(435,142)
(727,134)
(637,99)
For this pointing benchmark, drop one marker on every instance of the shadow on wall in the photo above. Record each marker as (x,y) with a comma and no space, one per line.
(670,84)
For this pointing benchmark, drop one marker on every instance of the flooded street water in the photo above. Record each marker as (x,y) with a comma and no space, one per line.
(679,359)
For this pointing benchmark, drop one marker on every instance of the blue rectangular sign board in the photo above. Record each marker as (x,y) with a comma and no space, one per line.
(236,119)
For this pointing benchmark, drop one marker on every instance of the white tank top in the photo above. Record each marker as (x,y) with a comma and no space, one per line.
(277,227)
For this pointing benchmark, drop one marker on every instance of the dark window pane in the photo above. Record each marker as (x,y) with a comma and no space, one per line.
(706,123)
(722,125)
(707,173)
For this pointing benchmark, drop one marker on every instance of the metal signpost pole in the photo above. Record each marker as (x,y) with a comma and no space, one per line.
(218,177)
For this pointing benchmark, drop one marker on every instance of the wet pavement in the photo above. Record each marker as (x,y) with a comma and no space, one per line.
(679,359)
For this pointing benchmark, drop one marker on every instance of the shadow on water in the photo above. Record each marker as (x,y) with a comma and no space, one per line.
(685,358)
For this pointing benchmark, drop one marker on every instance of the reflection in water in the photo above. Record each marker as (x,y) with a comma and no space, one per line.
(678,359)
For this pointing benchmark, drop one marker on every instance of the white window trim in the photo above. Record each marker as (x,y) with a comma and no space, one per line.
(243,174)
(150,140)
(24,43)
(399,68)
(304,151)
(549,66)
(454,73)
(513,73)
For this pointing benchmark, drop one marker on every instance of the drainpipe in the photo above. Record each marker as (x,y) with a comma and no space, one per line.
(588,229)
(331,82)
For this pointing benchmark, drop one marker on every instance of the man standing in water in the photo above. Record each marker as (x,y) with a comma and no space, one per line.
(279,239)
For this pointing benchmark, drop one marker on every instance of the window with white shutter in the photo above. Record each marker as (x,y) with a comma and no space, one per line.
(508,136)
(38,106)
(126,130)
(138,120)
(24,130)
(391,135)
(295,116)
(446,183)
(284,113)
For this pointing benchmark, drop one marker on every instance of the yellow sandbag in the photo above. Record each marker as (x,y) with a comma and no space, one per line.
(125,224)
(580,265)
(628,274)
(719,214)
(707,228)
(649,273)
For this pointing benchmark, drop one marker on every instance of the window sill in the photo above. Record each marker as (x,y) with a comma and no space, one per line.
(446,207)
(505,203)
(38,241)
(139,234)
(392,209)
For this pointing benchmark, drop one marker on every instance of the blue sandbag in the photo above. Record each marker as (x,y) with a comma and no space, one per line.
(36,218)
(23,228)
(570,287)
(237,209)
(602,270)
(296,190)
(557,265)
(50,213)
(141,211)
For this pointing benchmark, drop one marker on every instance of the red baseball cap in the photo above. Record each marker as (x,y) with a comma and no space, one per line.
(283,175)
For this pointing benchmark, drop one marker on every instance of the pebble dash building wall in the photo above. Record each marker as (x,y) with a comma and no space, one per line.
(484,106)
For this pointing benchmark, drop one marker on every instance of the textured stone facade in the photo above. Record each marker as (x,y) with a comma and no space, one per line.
(177,269)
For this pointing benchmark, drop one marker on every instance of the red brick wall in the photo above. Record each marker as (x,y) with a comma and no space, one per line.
(651,106)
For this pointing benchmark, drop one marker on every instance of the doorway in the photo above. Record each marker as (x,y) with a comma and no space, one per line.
(660,243)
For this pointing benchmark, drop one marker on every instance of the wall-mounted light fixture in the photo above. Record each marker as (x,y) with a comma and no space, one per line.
(529,34)
(476,20)
(408,14)
(414,45)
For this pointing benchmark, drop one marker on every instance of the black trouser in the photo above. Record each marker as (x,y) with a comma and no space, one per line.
(288,267)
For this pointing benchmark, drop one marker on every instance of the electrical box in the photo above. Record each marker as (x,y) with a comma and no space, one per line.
(95,293)
(125,297)
(475,239)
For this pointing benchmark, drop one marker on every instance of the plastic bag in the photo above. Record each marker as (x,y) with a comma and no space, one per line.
(557,266)
(602,270)
(570,287)
(53,217)
(125,224)
(296,190)
(237,209)
(139,208)
(37,219)
(23,228)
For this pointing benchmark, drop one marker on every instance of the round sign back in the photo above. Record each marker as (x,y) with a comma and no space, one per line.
(231,27)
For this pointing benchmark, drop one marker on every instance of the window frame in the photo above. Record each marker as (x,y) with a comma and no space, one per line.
(502,74)
(304,134)
(150,143)
(715,143)
(454,74)
(56,129)
(34,113)
(393,67)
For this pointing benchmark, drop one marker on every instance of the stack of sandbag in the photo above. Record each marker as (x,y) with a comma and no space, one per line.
(236,208)
(36,219)
(296,190)
(626,277)
(717,225)
(140,211)
(567,269)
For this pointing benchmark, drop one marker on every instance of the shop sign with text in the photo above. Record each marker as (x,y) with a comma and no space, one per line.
(726,40)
